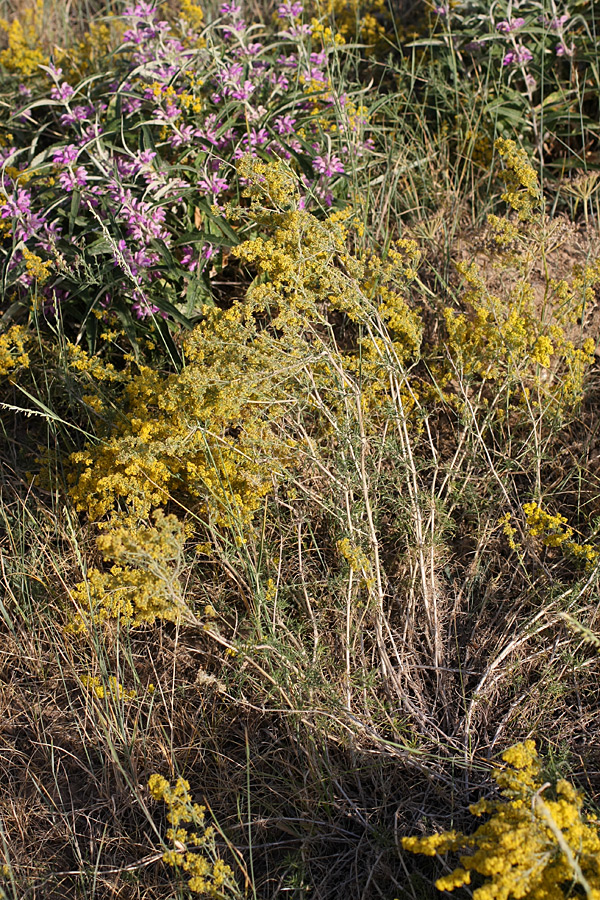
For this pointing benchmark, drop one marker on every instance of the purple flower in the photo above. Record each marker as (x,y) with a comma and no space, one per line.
(143,308)
(62,92)
(519,56)
(563,50)
(77,114)
(288,62)
(169,114)
(181,136)
(136,263)
(256,137)
(189,259)
(237,24)
(131,104)
(511,25)
(24,91)
(329,165)
(89,134)
(71,179)
(145,157)
(64,156)
(141,219)
(297,31)
(291,8)
(47,240)
(213,184)
(141,10)
(17,206)
(279,80)
(250,50)
(243,92)
(6,153)
(441,10)
(232,9)
(231,74)
(284,124)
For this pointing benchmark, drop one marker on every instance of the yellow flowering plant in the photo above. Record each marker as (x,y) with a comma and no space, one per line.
(509,333)
(142,581)
(24,55)
(537,844)
(193,841)
(209,433)
(554,531)
(13,349)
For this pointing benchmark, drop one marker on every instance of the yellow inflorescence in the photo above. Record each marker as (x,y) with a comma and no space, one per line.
(353,19)
(531,847)
(511,337)
(12,350)
(522,186)
(310,272)
(355,556)
(553,531)
(205,433)
(36,267)
(208,875)
(23,55)
(112,689)
(191,13)
(144,581)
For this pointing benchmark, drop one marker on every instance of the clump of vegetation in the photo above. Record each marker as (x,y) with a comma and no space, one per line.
(531,846)
(208,875)
(299,486)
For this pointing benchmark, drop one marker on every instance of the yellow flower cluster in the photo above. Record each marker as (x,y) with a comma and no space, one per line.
(493,336)
(212,435)
(36,267)
(553,531)
(144,582)
(515,338)
(522,187)
(113,689)
(208,874)
(353,19)
(531,847)
(325,35)
(508,530)
(93,367)
(205,434)
(309,271)
(191,13)
(23,55)
(308,276)
(355,556)
(12,350)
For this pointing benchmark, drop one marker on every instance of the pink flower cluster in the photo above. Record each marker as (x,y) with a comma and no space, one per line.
(249,102)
